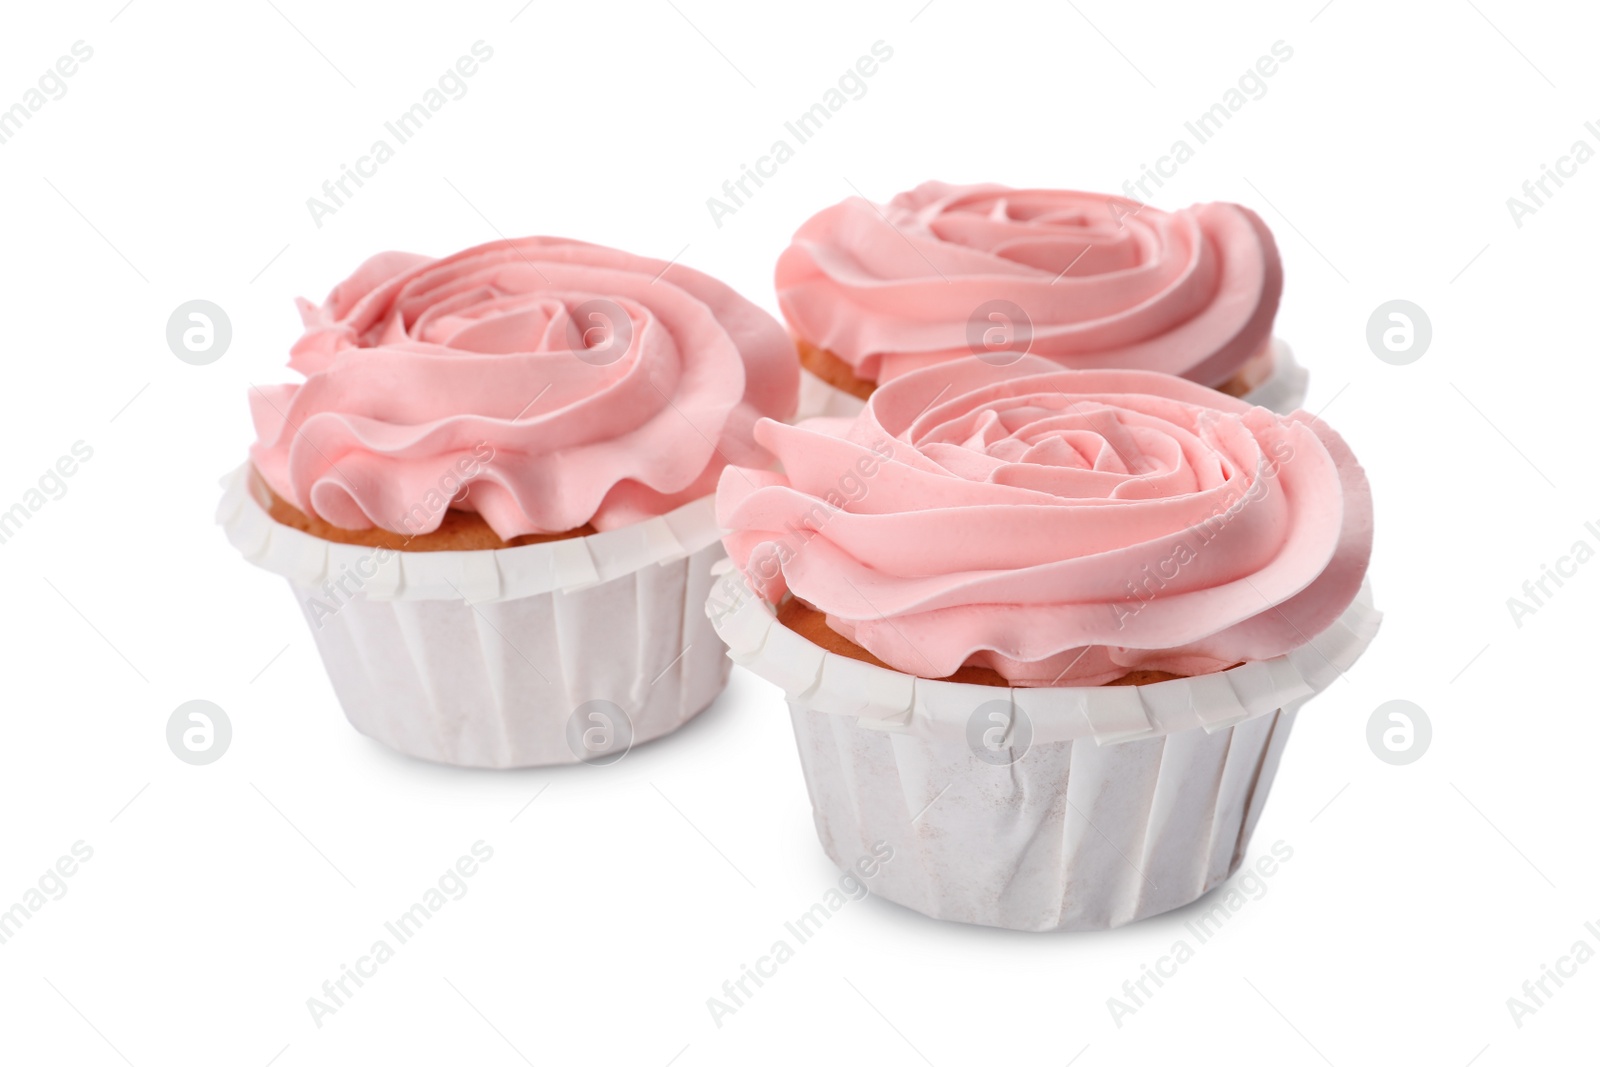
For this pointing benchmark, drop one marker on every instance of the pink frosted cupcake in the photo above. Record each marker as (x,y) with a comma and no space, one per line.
(491,493)
(1086,280)
(1044,631)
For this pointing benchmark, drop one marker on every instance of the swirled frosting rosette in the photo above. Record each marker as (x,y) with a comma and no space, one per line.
(492,494)
(1085,280)
(603,387)
(1056,527)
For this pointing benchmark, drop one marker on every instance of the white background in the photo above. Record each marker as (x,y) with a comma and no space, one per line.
(220,898)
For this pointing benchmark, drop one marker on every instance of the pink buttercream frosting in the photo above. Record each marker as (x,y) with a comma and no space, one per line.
(1059,527)
(1103,282)
(562,383)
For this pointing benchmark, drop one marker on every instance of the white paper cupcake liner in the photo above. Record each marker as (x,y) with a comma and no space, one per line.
(563,652)
(818,398)
(1283,392)
(1126,802)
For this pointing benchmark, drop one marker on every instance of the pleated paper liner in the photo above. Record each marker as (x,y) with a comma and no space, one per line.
(1103,805)
(559,652)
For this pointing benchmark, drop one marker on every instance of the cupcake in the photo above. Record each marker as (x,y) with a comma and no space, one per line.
(1043,632)
(1088,281)
(491,494)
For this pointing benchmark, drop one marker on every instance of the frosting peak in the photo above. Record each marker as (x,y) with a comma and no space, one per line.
(557,382)
(1059,527)
(1101,281)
